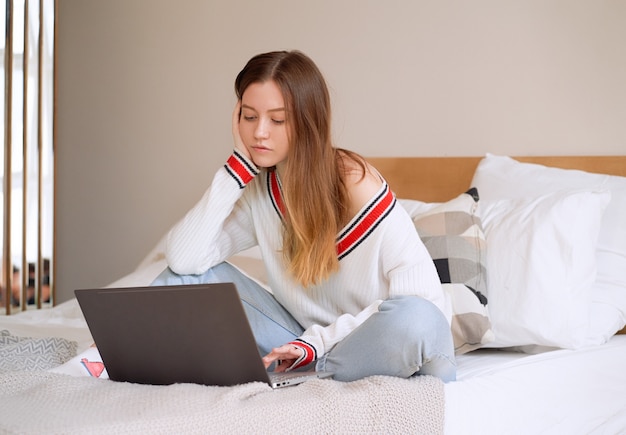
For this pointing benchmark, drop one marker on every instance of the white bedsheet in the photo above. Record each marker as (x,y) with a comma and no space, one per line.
(557,392)
(497,392)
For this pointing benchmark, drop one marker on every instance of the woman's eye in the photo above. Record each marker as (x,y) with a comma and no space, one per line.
(249,118)
(278,121)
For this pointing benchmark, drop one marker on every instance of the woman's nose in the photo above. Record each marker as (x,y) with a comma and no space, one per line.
(261,131)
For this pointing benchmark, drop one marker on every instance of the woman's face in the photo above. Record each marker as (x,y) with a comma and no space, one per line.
(263,124)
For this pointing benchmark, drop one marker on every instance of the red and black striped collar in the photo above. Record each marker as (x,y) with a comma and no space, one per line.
(358,229)
(366,222)
(274,189)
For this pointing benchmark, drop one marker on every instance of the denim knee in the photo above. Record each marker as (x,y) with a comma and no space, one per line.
(421,325)
(222,272)
(408,336)
(417,312)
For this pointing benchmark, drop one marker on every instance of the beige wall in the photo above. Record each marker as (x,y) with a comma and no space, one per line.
(144,96)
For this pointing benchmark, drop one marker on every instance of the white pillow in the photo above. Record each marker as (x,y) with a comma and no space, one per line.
(499,177)
(541,257)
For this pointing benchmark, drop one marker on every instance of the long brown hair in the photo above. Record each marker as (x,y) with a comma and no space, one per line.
(314,191)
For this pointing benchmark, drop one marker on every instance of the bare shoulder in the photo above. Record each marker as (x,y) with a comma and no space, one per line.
(362,182)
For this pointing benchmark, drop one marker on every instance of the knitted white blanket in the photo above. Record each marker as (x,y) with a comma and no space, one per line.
(43,402)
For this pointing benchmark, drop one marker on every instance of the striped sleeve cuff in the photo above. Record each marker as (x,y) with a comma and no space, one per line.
(308,356)
(241,169)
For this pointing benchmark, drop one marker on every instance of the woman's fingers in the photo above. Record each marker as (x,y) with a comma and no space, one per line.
(239,145)
(286,356)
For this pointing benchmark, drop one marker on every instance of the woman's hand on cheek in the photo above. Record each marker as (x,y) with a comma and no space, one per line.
(239,145)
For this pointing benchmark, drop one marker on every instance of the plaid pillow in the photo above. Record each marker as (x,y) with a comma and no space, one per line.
(454,237)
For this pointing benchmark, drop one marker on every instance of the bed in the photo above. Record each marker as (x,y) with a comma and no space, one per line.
(538,321)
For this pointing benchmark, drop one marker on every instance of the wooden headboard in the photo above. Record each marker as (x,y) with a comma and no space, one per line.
(438,179)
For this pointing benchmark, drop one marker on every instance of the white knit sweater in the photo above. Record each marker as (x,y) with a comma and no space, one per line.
(380,252)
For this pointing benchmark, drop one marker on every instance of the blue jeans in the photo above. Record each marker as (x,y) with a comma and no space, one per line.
(408,336)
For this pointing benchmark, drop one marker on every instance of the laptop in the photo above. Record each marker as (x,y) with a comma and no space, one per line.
(178,334)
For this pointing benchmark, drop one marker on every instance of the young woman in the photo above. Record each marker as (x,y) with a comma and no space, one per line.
(354,290)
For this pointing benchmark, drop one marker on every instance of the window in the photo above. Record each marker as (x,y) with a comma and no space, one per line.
(27,155)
